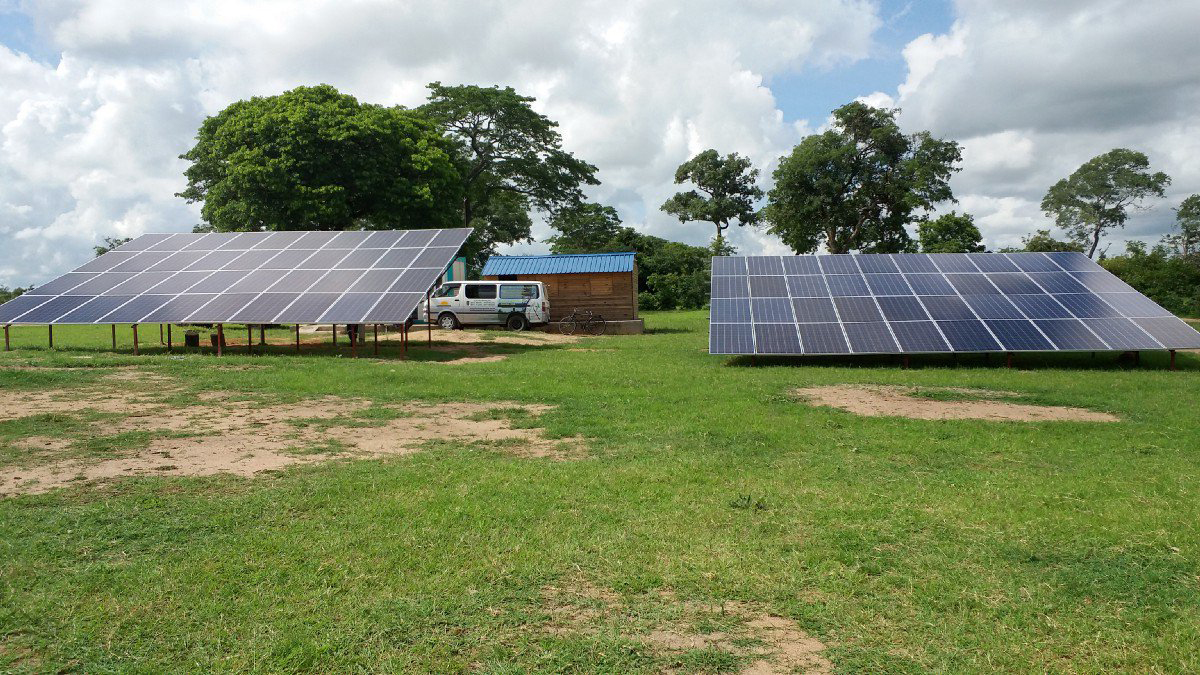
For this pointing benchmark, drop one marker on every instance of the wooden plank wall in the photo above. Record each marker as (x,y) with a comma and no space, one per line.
(610,294)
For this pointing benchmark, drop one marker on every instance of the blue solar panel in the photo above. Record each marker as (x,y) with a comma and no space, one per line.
(947,308)
(771,310)
(814,310)
(1040,306)
(222,277)
(823,338)
(770,264)
(1171,331)
(838,264)
(969,336)
(929,284)
(1086,305)
(730,310)
(1070,334)
(807,287)
(992,307)
(902,308)
(919,336)
(776,338)
(768,287)
(888,284)
(910,303)
(731,338)
(847,284)
(870,338)
(857,309)
(1019,335)
(914,263)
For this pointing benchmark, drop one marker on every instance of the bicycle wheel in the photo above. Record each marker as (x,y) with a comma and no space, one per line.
(596,326)
(567,326)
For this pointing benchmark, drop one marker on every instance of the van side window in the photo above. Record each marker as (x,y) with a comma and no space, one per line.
(481,291)
(518,291)
(447,291)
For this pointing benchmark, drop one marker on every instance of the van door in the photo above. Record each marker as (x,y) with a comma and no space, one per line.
(518,298)
(480,304)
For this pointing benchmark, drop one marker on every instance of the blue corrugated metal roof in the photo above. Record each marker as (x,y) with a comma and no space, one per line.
(583,263)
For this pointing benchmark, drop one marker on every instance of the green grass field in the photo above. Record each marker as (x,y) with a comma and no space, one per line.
(903,545)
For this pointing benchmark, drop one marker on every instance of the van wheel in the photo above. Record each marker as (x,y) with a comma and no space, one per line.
(447,321)
(517,322)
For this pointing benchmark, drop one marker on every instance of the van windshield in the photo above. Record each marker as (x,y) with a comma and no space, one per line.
(518,291)
(447,291)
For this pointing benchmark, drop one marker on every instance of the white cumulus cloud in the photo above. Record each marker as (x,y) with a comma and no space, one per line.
(89,145)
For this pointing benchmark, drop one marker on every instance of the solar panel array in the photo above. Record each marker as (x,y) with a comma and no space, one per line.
(248,277)
(926,303)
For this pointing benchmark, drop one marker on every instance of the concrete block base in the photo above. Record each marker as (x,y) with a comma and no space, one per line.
(627,327)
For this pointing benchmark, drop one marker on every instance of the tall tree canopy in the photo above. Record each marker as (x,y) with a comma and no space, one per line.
(950,233)
(1098,195)
(1186,241)
(510,161)
(315,159)
(857,185)
(1043,242)
(728,187)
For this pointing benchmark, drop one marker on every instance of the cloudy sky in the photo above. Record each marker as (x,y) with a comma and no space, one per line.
(99,97)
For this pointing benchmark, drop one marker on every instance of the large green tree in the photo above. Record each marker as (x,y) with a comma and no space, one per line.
(315,159)
(1186,241)
(1097,197)
(510,161)
(950,233)
(859,184)
(726,192)
(1043,242)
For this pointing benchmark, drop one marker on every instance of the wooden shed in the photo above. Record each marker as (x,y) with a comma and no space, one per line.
(605,283)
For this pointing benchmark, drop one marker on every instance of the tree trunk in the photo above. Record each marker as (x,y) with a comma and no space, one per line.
(1095,241)
(467,212)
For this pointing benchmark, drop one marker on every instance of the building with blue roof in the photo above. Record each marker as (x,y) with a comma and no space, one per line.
(605,283)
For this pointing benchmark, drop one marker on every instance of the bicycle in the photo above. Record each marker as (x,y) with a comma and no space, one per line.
(584,320)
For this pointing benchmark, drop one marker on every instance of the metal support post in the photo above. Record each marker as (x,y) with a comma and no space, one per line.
(50,334)
(135,340)
(168,338)
(297,338)
(220,339)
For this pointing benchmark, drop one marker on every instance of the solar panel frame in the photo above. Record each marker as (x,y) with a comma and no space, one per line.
(225,277)
(927,303)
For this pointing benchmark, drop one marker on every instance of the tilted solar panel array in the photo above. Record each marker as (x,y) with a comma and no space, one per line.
(926,303)
(248,277)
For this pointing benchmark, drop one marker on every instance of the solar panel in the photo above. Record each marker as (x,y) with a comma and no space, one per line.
(260,277)
(925,303)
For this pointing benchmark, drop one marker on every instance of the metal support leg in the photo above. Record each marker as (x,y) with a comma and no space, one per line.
(160,334)
(906,361)
(50,335)
(220,339)
(249,339)
(335,335)
(168,338)
(262,334)
(353,340)
(375,328)
(1008,359)
(428,322)
(297,338)
(135,340)
(114,332)
(7,345)
(1137,358)
(1172,359)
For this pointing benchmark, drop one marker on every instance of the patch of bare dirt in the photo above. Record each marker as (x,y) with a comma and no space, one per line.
(881,401)
(768,643)
(245,437)
(475,354)
(528,337)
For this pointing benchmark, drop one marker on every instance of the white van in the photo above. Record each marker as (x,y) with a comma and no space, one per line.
(516,305)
